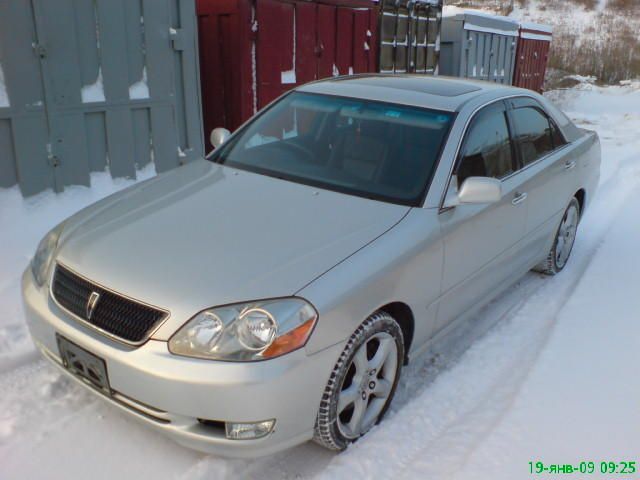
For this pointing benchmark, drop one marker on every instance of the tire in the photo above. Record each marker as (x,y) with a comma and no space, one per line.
(560,252)
(362,383)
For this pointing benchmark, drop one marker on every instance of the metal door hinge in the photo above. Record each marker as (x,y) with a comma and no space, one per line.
(177,38)
(53,161)
(39,49)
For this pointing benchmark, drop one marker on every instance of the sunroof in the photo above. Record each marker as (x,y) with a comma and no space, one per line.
(432,86)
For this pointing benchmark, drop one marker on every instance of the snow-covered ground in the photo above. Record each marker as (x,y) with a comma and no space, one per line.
(547,372)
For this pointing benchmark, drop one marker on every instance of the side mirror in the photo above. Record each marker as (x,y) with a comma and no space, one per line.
(219,136)
(480,190)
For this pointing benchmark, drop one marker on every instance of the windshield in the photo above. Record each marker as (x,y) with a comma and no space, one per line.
(376,150)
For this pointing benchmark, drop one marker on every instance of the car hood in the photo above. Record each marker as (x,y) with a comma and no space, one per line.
(206,235)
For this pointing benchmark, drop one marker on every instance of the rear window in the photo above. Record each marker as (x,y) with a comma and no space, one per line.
(371,149)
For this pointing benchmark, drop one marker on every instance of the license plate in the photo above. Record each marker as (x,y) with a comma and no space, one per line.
(83,364)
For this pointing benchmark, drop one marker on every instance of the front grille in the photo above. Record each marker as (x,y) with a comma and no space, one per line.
(117,315)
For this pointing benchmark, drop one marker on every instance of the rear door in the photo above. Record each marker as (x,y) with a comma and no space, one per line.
(482,242)
(548,171)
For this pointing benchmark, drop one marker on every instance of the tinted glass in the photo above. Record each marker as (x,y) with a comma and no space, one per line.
(556,134)
(487,148)
(533,133)
(371,149)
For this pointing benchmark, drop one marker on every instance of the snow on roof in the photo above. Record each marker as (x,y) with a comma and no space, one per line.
(538,27)
(481,21)
(500,31)
(452,11)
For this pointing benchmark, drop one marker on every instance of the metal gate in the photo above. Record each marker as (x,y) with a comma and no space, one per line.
(252,51)
(532,56)
(95,85)
(410,36)
(300,39)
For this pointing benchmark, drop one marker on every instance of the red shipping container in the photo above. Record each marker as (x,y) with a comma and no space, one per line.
(532,56)
(252,51)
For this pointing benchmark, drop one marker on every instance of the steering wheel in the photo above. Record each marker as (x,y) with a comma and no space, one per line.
(294,146)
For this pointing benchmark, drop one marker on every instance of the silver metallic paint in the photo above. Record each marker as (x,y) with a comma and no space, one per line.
(196,247)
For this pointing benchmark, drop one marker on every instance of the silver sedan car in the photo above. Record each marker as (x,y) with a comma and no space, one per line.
(271,293)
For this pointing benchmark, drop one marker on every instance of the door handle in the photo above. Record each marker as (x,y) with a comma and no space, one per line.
(570,165)
(519,198)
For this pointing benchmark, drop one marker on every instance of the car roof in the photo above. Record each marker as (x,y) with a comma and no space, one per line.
(440,93)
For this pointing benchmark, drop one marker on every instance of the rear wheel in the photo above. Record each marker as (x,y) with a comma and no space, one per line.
(362,382)
(563,243)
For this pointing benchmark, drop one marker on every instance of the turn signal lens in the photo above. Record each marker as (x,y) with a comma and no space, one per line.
(290,341)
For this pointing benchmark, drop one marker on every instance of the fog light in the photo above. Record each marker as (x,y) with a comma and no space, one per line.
(247,431)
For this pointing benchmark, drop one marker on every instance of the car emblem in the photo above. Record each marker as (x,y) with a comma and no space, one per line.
(91,304)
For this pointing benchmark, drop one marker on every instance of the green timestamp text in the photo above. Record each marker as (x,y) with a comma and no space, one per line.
(584,468)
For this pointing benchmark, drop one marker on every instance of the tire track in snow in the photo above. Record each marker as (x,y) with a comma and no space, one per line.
(52,428)
(37,395)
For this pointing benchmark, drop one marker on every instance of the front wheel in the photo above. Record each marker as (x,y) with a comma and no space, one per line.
(362,382)
(563,243)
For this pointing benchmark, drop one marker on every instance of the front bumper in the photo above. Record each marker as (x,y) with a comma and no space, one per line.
(170,393)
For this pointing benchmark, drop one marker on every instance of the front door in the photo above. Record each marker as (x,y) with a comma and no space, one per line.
(481,242)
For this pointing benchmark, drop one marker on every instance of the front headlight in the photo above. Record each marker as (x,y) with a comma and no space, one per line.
(44,254)
(246,331)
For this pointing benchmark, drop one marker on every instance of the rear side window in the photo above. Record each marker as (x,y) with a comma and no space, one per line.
(487,148)
(556,134)
(533,133)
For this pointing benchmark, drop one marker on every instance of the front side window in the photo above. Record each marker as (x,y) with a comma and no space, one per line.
(371,149)
(487,150)
(533,133)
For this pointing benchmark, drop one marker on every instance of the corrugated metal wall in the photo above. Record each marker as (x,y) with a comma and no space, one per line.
(479,46)
(95,84)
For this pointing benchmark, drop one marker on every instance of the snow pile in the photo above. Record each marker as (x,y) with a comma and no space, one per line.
(25,222)
(94,92)
(140,89)
(614,112)
(547,372)
(289,76)
(4,96)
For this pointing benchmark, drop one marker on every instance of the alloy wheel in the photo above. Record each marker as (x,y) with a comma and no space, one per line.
(367,385)
(566,236)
